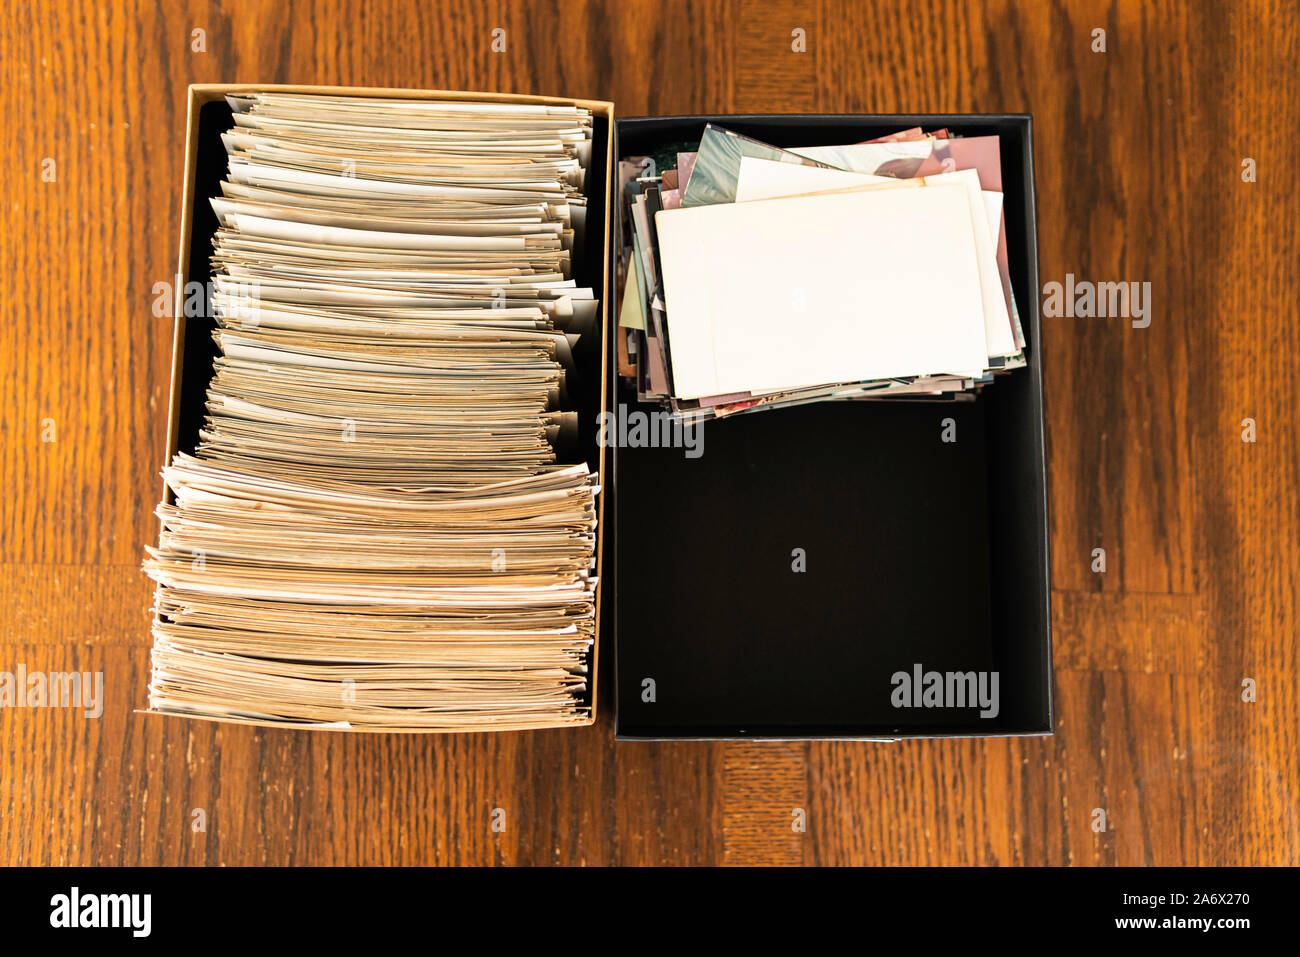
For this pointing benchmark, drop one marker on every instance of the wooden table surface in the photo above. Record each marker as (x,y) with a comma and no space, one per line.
(1139,153)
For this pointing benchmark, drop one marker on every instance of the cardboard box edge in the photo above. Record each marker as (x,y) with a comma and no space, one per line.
(199,94)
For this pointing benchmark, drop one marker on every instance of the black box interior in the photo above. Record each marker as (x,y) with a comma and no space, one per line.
(918,552)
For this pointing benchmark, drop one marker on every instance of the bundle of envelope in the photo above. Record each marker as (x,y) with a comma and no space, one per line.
(756,277)
(377,528)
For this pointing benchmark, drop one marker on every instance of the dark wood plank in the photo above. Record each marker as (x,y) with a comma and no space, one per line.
(767,819)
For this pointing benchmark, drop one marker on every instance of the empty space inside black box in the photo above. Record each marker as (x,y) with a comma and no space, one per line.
(199,349)
(918,552)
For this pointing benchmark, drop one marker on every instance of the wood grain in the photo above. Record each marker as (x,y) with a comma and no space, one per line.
(1138,158)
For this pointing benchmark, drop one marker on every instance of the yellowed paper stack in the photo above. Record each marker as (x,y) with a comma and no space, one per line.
(381,526)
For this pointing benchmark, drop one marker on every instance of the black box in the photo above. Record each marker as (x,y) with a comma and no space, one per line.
(918,552)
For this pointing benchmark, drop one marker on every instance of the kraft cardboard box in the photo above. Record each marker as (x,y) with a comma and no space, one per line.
(922,557)
(194,349)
